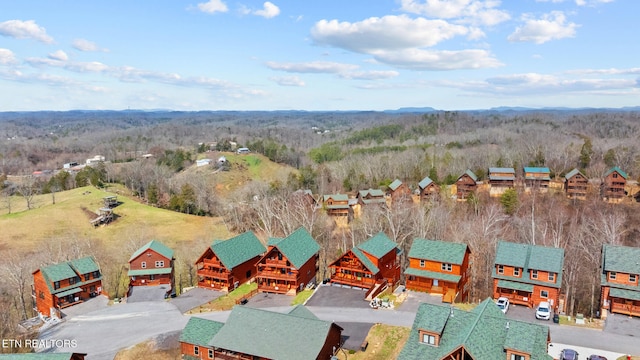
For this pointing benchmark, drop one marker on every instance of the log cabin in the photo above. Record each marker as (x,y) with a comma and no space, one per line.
(536,179)
(251,333)
(528,274)
(428,189)
(372,263)
(466,185)
(448,333)
(501,179)
(226,264)
(289,265)
(151,265)
(620,271)
(371,197)
(439,267)
(613,183)
(399,191)
(337,205)
(575,185)
(65,284)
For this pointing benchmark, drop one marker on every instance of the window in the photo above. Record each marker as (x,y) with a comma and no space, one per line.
(517,357)
(422,263)
(429,339)
(633,278)
(446,267)
(96,274)
(196,350)
(612,276)
(544,294)
(210,353)
(615,175)
(500,269)
(552,277)
(534,274)
(143,264)
(56,285)
(516,272)
(72,281)
(152,277)
(160,263)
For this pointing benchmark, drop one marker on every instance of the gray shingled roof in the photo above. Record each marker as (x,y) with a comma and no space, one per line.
(573,173)
(272,335)
(395,184)
(379,245)
(200,331)
(425,182)
(238,249)
(624,259)
(529,257)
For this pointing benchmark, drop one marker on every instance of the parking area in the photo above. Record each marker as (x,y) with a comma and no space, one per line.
(147,293)
(93,304)
(583,352)
(413,299)
(194,298)
(268,300)
(622,325)
(338,296)
(354,334)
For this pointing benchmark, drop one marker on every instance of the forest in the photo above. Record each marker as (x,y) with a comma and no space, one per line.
(334,152)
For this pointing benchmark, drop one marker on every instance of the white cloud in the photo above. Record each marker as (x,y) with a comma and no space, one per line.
(370,75)
(268,11)
(7,57)
(386,33)
(315,67)
(611,71)
(86,45)
(552,26)
(59,55)
(470,11)
(25,30)
(417,59)
(287,80)
(213,6)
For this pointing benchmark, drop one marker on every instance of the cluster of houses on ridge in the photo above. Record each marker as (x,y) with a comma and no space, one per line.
(575,185)
(525,274)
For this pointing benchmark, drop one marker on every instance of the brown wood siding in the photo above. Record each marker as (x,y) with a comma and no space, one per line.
(465,185)
(145,280)
(271,278)
(389,267)
(418,283)
(331,342)
(46,302)
(432,190)
(613,186)
(402,192)
(150,257)
(623,278)
(531,299)
(576,186)
(189,349)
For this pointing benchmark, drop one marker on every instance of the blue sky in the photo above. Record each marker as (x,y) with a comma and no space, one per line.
(318,55)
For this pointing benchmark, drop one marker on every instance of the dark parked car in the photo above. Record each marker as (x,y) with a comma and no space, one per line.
(596,357)
(568,354)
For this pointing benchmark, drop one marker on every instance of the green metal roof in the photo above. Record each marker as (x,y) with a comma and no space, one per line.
(425,182)
(378,246)
(537,170)
(440,251)
(573,173)
(395,184)
(484,333)
(39,356)
(335,197)
(433,275)
(298,247)
(68,292)
(365,261)
(199,331)
(506,284)
(618,170)
(624,259)
(84,265)
(512,254)
(273,241)
(371,192)
(150,271)
(272,335)
(471,174)
(625,294)
(156,246)
(530,257)
(58,272)
(301,311)
(238,249)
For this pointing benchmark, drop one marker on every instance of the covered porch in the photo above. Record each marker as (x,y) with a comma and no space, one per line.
(625,302)
(517,293)
(433,282)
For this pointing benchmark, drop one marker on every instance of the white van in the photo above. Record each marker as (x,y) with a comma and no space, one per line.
(543,311)
(243,150)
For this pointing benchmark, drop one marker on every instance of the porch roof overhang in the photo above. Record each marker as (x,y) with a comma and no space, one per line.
(624,294)
(68,292)
(433,275)
(141,272)
(506,284)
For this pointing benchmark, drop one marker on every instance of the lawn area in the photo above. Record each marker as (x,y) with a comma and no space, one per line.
(228,301)
(147,350)
(385,342)
(301,297)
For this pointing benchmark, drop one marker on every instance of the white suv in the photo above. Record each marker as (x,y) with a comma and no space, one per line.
(543,311)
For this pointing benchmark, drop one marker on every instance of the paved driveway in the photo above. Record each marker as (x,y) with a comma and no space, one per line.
(354,334)
(96,303)
(195,297)
(269,300)
(622,325)
(415,298)
(337,296)
(148,293)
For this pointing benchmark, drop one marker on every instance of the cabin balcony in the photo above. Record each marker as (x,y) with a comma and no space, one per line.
(276,286)
(277,275)
(213,274)
(353,280)
(213,263)
(515,296)
(277,263)
(354,265)
(626,307)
